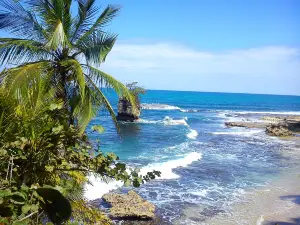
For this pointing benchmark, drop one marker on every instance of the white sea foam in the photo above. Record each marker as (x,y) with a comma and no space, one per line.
(239,133)
(166,121)
(166,168)
(98,188)
(201,193)
(192,134)
(169,121)
(189,110)
(156,106)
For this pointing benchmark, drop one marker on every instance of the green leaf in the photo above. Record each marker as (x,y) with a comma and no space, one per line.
(20,223)
(49,168)
(26,208)
(3,220)
(54,106)
(57,207)
(98,128)
(127,183)
(5,193)
(58,129)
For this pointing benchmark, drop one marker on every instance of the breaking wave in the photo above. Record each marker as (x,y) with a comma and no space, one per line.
(192,134)
(157,106)
(154,106)
(166,168)
(166,121)
(97,187)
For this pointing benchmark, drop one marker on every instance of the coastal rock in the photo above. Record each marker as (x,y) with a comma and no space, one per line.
(272,119)
(280,130)
(293,125)
(129,206)
(126,112)
(246,124)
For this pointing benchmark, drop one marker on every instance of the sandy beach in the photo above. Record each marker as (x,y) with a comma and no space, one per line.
(276,203)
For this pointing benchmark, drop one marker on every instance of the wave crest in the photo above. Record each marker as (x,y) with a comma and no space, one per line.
(156,106)
(166,168)
(97,187)
(166,121)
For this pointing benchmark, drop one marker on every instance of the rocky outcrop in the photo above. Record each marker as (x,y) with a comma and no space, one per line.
(129,206)
(246,124)
(272,119)
(126,112)
(280,130)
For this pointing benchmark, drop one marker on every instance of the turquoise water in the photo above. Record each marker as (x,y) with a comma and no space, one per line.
(203,163)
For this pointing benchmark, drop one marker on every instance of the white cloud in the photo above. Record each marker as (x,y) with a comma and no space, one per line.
(176,67)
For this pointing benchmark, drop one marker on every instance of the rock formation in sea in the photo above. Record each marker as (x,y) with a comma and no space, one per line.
(279,129)
(129,206)
(281,126)
(126,111)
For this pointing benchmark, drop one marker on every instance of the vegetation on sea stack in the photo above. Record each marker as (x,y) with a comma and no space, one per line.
(49,92)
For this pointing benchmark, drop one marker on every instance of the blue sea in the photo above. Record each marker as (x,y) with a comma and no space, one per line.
(204,165)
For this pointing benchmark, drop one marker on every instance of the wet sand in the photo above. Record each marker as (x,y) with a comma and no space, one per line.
(277,203)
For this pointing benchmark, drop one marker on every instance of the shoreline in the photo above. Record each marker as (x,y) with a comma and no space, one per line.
(276,203)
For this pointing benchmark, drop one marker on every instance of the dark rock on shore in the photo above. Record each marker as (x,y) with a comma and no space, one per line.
(126,112)
(281,126)
(129,206)
(280,130)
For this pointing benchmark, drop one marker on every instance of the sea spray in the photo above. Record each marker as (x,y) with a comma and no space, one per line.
(192,134)
(166,168)
(97,187)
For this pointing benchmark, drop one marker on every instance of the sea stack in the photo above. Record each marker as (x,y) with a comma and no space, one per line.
(126,112)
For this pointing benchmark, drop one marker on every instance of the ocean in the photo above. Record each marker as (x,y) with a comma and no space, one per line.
(204,165)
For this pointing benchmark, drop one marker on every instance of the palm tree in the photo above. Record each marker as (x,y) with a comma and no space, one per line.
(48,42)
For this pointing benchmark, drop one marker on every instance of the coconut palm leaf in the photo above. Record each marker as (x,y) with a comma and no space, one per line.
(86,14)
(97,46)
(103,79)
(109,13)
(18,77)
(62,50)
(100,99)
(11,50)
(15,19)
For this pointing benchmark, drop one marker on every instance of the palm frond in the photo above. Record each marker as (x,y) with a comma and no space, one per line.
(109,13)
(77,72)
(15,19)
(100,100)
(86,13)
(59,37)
(17,51)
(17,77)
(85,109)
(97,46)
(104,79)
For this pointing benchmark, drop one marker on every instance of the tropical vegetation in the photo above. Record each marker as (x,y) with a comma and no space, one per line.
(50,89)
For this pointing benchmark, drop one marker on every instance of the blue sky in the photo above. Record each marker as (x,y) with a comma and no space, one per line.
(211,25)
(208,45)
(249,46)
